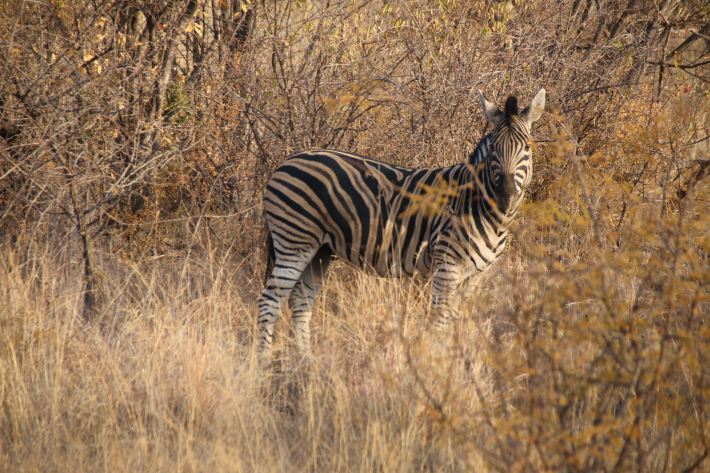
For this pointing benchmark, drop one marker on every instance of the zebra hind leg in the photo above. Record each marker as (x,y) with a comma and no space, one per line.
(285,273)
(303,297)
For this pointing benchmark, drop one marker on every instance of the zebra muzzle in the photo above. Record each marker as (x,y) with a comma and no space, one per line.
(506,193)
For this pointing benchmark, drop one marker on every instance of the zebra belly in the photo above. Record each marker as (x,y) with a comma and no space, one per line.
(390,254)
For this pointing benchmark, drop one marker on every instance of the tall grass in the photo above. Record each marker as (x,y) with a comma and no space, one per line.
(549,369)
(171,384)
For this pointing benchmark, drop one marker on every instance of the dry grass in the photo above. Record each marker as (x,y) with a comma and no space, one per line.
(171,384)
(166,379)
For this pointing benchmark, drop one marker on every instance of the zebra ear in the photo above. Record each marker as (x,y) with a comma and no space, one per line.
(490,110)
(537,106)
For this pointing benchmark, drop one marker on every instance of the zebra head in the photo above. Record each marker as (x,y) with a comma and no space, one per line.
(508,169)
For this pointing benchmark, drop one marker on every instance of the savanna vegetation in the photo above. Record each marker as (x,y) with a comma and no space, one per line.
(135,140)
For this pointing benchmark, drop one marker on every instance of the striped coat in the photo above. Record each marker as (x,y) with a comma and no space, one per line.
(447,224)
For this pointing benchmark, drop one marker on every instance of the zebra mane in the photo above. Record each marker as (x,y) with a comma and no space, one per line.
(511,106)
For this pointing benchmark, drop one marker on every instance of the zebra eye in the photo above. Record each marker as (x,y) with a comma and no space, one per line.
(527,146)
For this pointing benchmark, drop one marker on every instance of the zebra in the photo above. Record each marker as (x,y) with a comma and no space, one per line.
(320,204)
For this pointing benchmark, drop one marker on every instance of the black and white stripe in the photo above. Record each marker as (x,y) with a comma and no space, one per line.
(324,203)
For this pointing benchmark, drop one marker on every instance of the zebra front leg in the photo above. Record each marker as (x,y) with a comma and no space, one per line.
(443,290)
